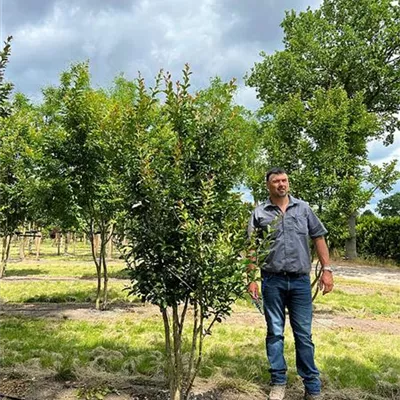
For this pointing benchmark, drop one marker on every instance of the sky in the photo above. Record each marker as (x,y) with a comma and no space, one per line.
(216,37)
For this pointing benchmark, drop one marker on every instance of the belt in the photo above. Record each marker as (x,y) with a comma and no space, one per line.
(283,274)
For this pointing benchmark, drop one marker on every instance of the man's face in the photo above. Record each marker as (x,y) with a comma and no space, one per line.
(278,185)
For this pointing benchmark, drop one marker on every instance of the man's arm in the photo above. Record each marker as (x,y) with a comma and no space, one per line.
(326,281)
(252,287)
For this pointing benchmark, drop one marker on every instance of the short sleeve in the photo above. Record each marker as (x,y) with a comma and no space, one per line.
(252,225)
(315,226)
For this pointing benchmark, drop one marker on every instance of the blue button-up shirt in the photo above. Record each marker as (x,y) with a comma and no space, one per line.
(289,248)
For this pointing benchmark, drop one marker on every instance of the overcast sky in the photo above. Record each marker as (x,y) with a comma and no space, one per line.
(216,37)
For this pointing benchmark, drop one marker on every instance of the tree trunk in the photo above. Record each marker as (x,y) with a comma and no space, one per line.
(38,241)
(74,243)
(22,245)
(5,252)
(66,242)
(103,251)
(98,268)
(351,242)
(174,391)
(58,241)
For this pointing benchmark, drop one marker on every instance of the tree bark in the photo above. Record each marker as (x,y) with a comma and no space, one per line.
(58,239)
(38,241)
(351,242)
(74,243)
(103,251)
(66,242)
(22,245)
(5,252)
(98,268)
(171,372)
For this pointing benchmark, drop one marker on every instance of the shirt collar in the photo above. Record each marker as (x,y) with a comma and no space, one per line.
(292,201)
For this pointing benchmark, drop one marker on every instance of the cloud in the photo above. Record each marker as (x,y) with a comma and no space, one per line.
(378,153)
(215,37)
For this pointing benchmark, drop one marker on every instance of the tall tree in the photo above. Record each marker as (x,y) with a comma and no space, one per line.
(344,55)
(187,228)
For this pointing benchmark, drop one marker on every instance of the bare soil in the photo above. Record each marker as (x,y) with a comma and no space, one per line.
(35,385)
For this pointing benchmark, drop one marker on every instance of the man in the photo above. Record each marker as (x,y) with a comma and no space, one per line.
(286,280)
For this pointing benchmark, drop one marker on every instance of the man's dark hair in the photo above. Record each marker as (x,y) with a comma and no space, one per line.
(274,171)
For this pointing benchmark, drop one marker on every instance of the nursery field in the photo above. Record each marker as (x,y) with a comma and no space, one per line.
(55,345)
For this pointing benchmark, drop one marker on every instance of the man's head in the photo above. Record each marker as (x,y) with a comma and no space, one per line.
(277,182)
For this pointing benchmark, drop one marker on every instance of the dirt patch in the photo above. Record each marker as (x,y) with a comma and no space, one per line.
(84,311)
(388,276)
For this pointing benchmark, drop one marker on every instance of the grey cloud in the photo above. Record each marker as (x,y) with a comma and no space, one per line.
(258,21)
(216,38)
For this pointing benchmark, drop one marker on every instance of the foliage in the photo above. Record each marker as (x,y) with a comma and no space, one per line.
(379,237)
(333,88)
(187,228)
(19,141)
(81,166)
(5,87)
(390,206)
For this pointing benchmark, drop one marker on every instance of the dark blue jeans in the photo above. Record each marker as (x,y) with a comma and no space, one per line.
(293,292)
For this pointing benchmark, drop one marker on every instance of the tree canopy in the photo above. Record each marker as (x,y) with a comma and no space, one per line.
(389,206)
(333,88)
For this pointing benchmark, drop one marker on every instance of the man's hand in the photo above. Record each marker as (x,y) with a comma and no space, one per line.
(253,290)
(326,282)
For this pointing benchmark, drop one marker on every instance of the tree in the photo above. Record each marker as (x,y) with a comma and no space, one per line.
(343,56)
(390,206)
(80,171)
(186,224)
(18,155)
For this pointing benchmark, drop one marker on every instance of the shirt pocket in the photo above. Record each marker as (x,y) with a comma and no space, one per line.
(300,224)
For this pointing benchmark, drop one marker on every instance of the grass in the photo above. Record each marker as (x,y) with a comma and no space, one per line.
(58,291)
(362,299)
(234,355)
(129,347)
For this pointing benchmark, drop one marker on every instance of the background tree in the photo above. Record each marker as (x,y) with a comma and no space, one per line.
(389,206)
(188,227)
(82,184)
(18,156)
(344,55)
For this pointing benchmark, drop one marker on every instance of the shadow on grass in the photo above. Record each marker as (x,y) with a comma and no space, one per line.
(121,274)
(78,296)
(377,378)
(25,272)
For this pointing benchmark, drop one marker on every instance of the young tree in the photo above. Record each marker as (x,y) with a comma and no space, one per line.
(82,127)
(18,136)
(343,55)
(187,226)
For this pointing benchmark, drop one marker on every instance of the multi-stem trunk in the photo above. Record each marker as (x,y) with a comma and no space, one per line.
(177,335)
(105,272)
(170,353)
(98,267)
